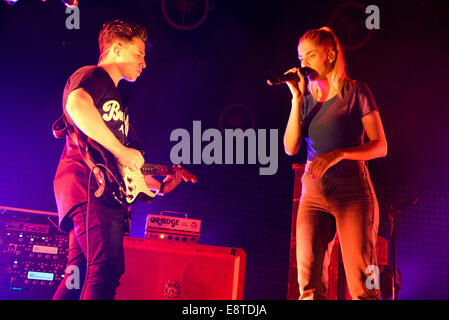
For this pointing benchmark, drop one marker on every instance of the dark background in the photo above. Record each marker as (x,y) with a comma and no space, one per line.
(194,75)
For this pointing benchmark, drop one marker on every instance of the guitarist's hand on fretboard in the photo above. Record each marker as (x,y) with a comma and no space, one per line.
(174,176)
(152,183)
(186,175)
(172,180)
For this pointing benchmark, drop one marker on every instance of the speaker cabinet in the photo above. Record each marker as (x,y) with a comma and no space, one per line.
(163,270)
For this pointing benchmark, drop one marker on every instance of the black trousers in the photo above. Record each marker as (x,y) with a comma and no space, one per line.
(101,246)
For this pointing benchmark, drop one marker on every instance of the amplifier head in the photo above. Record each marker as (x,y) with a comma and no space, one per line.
(171,228)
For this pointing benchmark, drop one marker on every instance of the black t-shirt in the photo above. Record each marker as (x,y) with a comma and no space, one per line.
(72,174)
(338,122)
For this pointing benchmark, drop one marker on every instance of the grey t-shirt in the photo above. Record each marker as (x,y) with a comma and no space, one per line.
(338,123)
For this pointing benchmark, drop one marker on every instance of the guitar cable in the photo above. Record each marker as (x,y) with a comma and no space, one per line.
(86,222)
(86,227)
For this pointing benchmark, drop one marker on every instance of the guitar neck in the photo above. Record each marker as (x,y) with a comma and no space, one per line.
(156,169)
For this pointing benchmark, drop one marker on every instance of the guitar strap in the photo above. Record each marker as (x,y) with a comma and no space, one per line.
(64,127)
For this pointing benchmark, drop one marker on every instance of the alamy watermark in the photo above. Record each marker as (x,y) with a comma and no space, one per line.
(212,153)
(373,20)
(72,281)
(373,280)
(73,20)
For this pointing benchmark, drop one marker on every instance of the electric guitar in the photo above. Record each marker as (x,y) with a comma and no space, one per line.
(122,184)
(134,181)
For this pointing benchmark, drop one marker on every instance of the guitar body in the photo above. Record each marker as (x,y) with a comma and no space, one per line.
(122,184)
(135,186)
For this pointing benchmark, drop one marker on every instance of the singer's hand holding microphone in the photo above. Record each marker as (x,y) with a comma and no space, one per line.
(295,79)
(297,85)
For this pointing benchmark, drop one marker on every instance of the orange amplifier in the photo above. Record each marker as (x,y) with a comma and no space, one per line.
(163,227)
(169,270)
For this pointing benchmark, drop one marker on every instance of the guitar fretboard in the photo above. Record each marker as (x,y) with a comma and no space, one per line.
(156,169)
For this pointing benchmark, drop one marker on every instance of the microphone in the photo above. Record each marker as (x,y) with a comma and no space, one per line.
(290,76)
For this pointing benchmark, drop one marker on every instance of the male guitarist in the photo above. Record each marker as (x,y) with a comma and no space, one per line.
(92,105)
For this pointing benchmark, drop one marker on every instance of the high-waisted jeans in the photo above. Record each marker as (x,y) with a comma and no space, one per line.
(343,200)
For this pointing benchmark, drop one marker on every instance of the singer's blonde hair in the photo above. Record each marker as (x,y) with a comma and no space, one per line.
(327,39)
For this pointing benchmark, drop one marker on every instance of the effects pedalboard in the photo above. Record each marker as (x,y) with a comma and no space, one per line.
(33,251)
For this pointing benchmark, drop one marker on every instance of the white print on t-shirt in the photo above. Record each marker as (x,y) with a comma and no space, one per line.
(113,112)
(113,107)
(126,122)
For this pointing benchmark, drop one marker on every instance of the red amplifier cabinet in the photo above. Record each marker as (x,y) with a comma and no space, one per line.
(157,270)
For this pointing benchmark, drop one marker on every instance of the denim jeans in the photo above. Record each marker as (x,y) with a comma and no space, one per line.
(106,254)
(342,201)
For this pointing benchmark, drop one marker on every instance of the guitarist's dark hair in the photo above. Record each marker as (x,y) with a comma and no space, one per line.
(120,29)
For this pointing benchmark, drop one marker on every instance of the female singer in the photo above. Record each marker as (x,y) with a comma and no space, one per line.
(337,191)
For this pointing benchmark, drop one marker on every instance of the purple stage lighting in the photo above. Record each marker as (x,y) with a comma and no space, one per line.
(11,2)
(70,3)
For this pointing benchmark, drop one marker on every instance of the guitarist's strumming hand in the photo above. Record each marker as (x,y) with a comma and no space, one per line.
(129,157)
